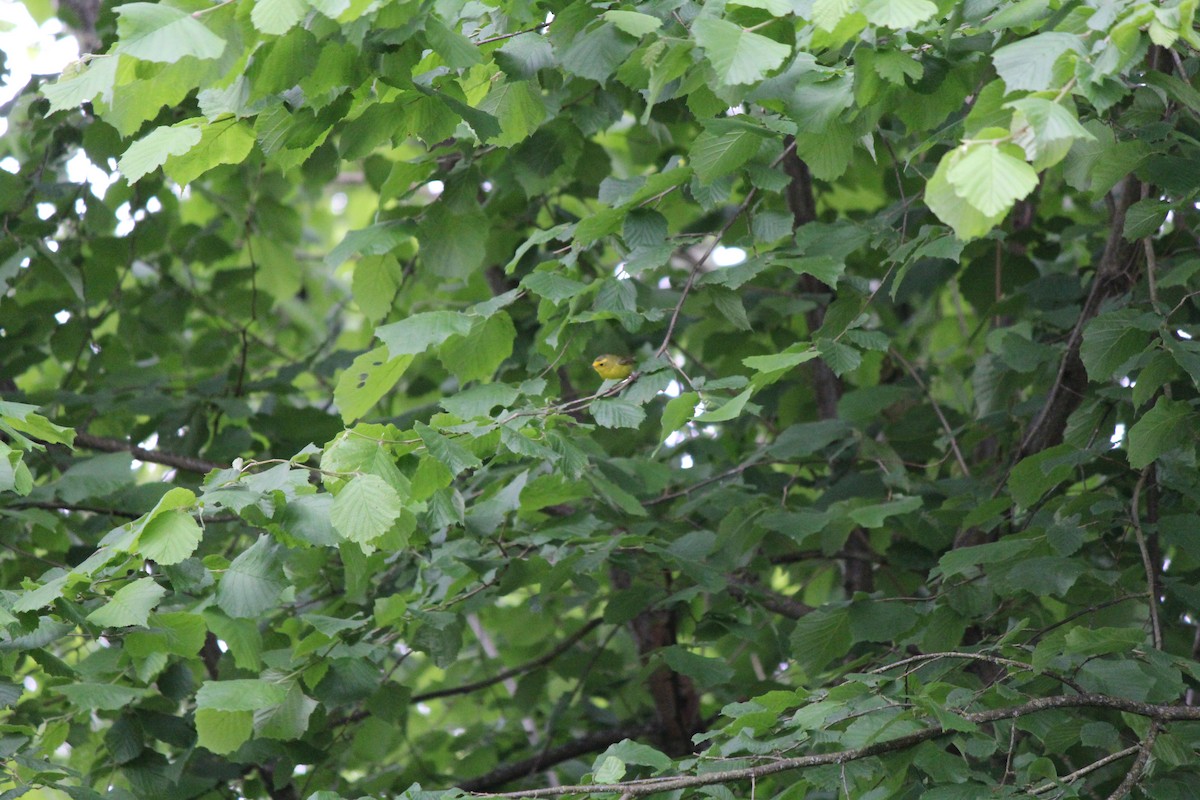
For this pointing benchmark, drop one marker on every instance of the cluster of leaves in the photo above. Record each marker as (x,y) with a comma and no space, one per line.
(308,488)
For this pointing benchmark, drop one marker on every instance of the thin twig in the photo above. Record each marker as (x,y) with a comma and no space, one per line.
(1147,562)
(738,470)
(512,672)
(996,660)
(1090,768)
(1151,270)
(691,280)
(638,788)
(1139,763)
(504,36)
(937,409)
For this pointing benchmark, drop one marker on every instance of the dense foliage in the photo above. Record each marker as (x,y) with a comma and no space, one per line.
(309,488)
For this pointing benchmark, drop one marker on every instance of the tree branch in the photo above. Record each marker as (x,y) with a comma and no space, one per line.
(1090,768)
(520,669)
(1114,276)
(1139,763)
(997,660)
(185,463)
(639,788)
(1148,565)
(554,755)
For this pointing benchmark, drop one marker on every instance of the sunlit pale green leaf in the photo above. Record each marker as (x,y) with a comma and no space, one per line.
(364,509)
(738,56)
(991,179)
(131,604)
(152,150)
(155,32)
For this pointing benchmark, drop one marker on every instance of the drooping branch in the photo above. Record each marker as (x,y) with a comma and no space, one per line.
(638,788)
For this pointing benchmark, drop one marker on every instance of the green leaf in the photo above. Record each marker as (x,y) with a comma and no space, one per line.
(453,244)
(794,356)
(820,637)
(89,696)
(478,354)
(827,269)
(365,509)
(1145,217)
(1045,129)
(418,333)
(616,413)
(737,55)
(1165,427)
(705,671)
(874,516)
(714,155)
(826,14)
(609,769)
(226,141)
(478,401)
(897,14)
(633,22)
(276,17)
(154,32)
(519,107)
(131,605)
(598,52)
(840,358)
(249,694)
(253,581)
(457,458)
(631,752)
(95,477)
(289,719)
(944,200)
(827,153)
(678,411)
(374,240)
(376,279)
(1111,339)
(170,537)
(991,179)
(729,303)
(1032,477)
(731,409)
(222,732)
(1028,64)
(364,383)
(455,49)
(152,150)
(961,559)
(81,82)
(881,622)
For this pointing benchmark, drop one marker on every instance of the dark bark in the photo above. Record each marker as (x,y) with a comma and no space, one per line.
(676,701)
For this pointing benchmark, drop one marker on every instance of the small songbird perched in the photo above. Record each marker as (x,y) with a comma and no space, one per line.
(613,368)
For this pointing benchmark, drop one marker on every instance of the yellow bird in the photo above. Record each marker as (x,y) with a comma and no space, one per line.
(613,368)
